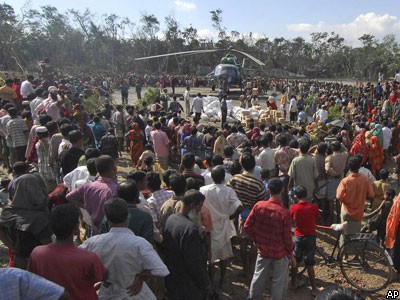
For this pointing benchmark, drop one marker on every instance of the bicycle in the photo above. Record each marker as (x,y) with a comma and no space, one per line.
(363,262)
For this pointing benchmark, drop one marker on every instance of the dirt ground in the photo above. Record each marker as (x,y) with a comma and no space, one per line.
(236,284)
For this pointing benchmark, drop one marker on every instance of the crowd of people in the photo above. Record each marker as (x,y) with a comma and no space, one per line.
(194,189)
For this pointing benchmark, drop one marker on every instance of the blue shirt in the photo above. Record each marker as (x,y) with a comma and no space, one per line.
(17,284)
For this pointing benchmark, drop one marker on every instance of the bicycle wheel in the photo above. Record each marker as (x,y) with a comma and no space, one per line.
(365,265)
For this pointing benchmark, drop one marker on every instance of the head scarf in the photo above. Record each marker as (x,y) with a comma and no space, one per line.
(378,133)
(255,133)
(360,147)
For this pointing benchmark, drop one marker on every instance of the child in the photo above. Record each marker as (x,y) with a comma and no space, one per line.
(148,152)
(380,186)
(148,164)
(304,215)
(377,218)
(264,178)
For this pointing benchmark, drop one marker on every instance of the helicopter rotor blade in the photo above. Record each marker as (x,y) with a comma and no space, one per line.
(179,53)
(257,61)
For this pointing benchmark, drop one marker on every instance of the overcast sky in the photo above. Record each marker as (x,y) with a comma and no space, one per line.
(288,19)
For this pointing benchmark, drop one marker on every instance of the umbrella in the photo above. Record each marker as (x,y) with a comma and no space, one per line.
(341,124)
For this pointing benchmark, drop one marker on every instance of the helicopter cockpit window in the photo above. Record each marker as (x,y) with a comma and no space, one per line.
(226,70)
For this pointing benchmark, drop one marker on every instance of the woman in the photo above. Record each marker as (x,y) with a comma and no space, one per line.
(136,138)
(378,133)
(360,147)
(375,154)
(256,132)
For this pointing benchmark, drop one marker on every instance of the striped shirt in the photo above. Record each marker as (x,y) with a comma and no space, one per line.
(16,129)
(248,188)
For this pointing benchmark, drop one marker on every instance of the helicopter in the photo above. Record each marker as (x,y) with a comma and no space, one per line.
(228,70)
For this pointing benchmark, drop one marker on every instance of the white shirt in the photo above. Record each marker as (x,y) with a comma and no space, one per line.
(322,114)
(186,96)
(365,172)
(26,89)
(397,77)
(293,105)
(125,255)
(266,159)
(222,202)
(208,179)
(64,145)
(387,137)
(35,105)
(80,173)
(197,104)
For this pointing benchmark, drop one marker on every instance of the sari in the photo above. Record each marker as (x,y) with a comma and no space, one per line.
(375,155)
(360,147)
(392,224)
(136,139)
(256,132)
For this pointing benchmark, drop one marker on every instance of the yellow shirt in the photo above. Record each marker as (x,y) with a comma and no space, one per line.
(8,93)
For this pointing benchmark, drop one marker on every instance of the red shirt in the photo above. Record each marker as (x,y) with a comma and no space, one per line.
(269,227)
(304,215)
(77,270)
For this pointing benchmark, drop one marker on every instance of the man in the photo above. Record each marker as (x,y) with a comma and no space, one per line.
(249,190)
(36,104)
(268,225)
(293,109)
(186,98)
(335,165)
(235,139)
(223,205)
(266,158)
(164,99)
(23,285)
(17,134)
(158,197)
(303,170)
(27,216)
(184,254)
(97,129)
(188,163)
(118,121)
(193,144)
(175,106)
(124,88)
(224,110)
(129,259)
(93,195)
(177,183)
(387,137)
(51,261)
(109,144)
(7,92)
(53,104)
(197,106)
(69,158)
(352,192)
(139,221)
(217,160)
(161,145)
(321,114)
(26,87)
(42,150)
